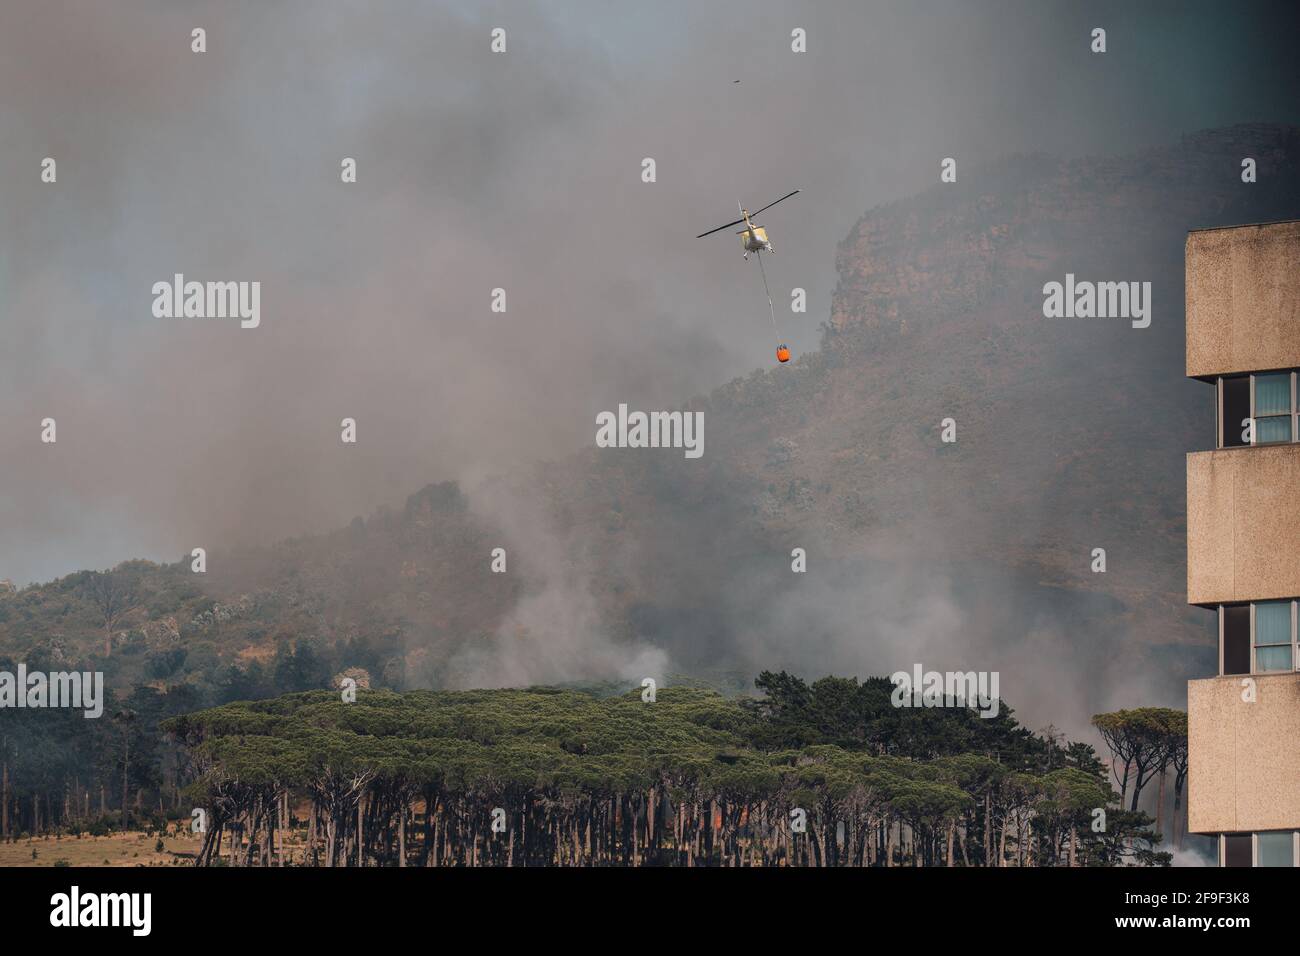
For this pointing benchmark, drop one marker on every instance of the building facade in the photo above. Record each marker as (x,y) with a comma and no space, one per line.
(1243,541)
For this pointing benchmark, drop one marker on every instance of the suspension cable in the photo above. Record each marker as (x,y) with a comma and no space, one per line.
(770,308)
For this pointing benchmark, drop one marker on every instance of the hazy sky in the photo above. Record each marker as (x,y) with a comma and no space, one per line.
(478,170)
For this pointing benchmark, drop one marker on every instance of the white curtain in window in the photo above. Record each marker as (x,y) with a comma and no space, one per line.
(1273,394)
(1273,627)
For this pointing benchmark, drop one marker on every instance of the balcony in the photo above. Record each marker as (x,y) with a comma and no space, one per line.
(1243,758)
(1243,524)
(1243,299)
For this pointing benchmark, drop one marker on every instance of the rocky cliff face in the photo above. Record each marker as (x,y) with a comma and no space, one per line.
(953,248)
(1071,436)
(1079,424)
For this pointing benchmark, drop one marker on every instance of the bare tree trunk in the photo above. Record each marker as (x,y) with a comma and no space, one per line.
(401,834)
(437,836)
(988,829)
(283,832)
(361,829)
(272,840)
(680,827)
(126,764)
(311,831)
(1160,805)
(636,859)
(1180,819)
(650,810)
(690,847)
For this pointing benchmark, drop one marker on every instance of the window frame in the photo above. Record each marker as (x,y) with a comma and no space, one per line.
(1290,414)
(1293,414)
(1221,846)
(1294,643)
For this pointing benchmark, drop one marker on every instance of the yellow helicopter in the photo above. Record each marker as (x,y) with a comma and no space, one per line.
(753,238)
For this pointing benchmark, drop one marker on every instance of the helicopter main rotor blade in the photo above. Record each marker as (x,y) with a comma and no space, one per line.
(719,229)
(771,204)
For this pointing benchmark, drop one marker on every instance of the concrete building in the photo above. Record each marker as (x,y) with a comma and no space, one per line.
(1243,541)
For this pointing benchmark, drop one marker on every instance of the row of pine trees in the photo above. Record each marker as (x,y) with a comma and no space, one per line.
(821,774)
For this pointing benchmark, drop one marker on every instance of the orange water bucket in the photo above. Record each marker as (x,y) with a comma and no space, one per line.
(783,353)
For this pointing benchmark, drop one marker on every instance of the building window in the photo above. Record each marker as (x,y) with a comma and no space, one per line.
(1275,848)
(1273,636)
(1274,408)
(1235,849)
(1234,411)
(1259,638)
(1266,848)
(1266,398)
(1235,620)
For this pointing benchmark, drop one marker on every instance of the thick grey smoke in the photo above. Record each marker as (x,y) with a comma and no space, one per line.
(556,631)
(476,171)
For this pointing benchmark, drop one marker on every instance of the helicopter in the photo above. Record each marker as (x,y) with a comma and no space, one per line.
(755,236)
(754,239)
